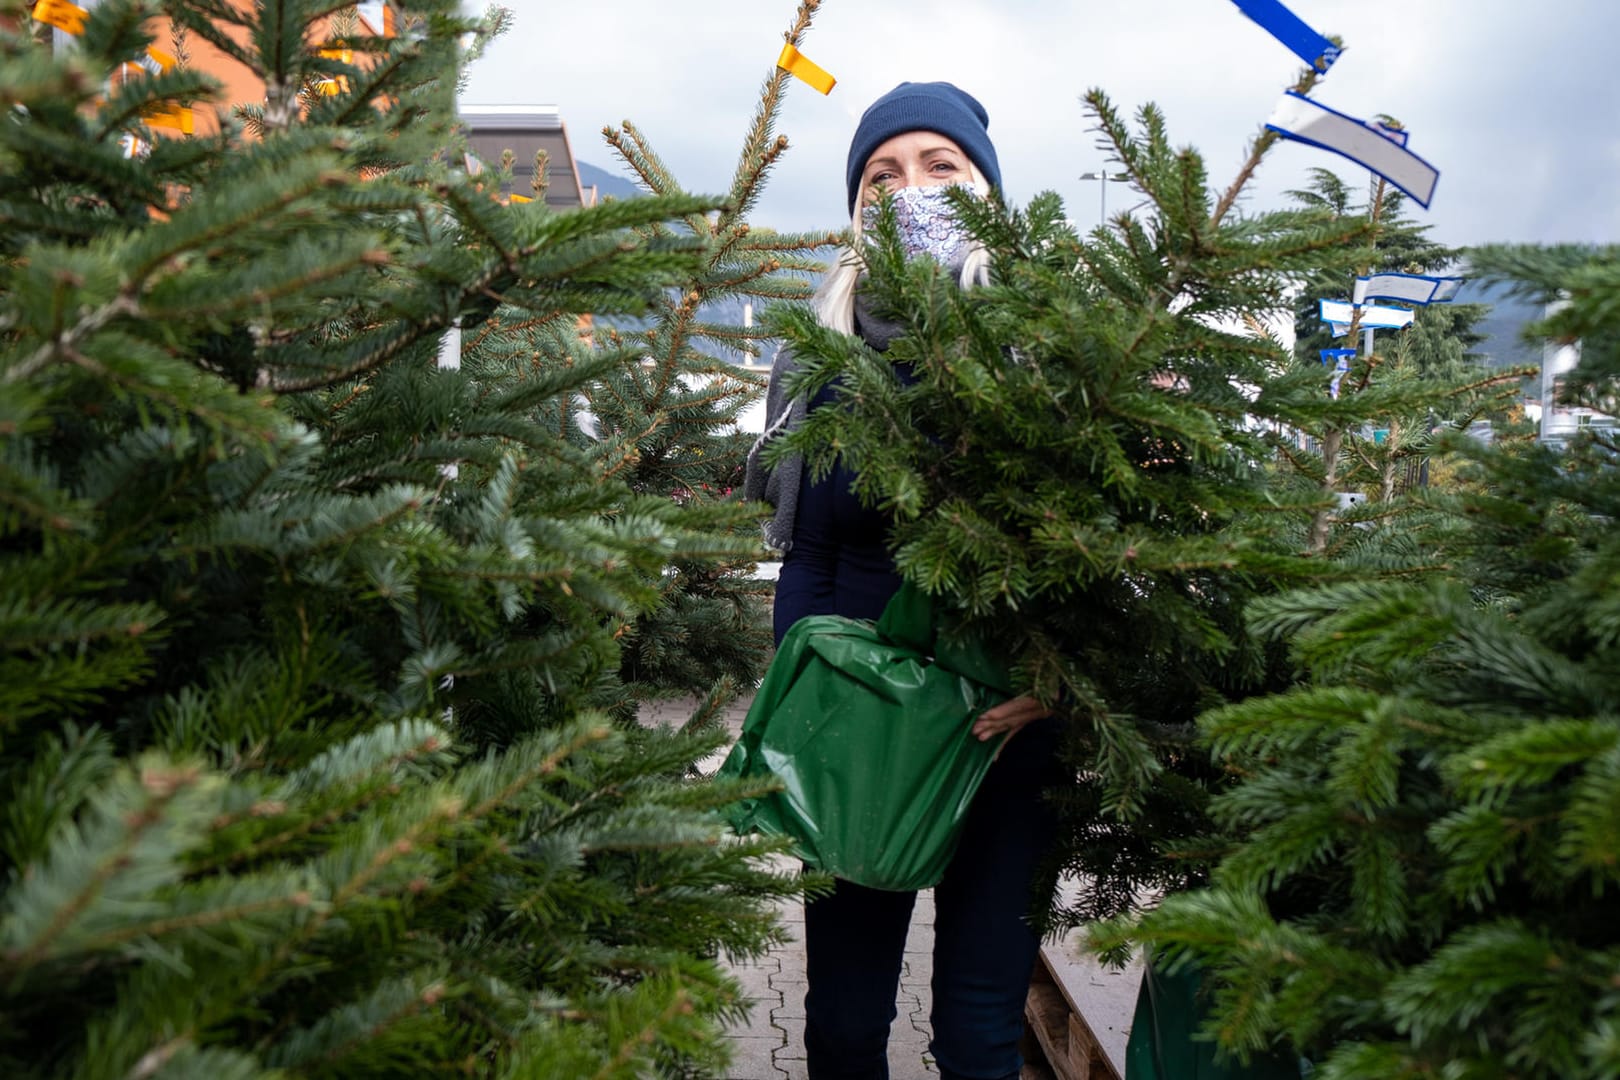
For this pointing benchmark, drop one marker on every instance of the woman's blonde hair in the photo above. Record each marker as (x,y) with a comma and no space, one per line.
(835,299)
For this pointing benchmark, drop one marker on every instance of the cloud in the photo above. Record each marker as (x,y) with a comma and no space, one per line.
(1497,93)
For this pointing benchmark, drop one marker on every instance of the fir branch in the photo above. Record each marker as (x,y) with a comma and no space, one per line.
(1262,143)
(632,148)
(67,341)
(545,766)
(208,20)
(759,152)
(117,849)
(630,1048)
(157,929)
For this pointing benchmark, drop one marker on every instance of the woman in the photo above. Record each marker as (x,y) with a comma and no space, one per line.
(914,142)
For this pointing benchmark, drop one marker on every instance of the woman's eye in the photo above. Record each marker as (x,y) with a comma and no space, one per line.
(944,166)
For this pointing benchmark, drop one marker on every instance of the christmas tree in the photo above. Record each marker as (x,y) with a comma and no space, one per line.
(1424,881)
(302,626)
(671,421)
(1076,470)
(1099,469)
(1390,397)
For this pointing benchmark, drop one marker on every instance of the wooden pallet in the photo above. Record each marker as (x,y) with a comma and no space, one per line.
(1078,1014)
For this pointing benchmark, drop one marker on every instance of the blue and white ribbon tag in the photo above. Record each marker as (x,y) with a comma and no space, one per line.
(1298,117)
(1341,367)
(1406,288)
(1334,312)
(1339,329)
(1396,135)
(1290,29)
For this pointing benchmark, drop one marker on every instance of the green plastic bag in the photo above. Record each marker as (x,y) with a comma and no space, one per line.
(868,728)
(1163,1044)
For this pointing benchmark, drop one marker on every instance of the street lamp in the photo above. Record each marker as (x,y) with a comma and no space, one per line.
(1103,179)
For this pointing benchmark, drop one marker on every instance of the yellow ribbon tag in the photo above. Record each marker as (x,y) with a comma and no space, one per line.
(331,86)
(174,117)
(62,14)
(521,199)
(800,67)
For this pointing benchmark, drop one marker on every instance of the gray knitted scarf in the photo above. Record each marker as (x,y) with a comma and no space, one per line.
(779,485)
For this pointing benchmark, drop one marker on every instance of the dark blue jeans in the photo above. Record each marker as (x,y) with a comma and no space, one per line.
(984,949)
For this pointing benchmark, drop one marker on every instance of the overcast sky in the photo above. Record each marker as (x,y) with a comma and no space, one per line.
(1516,103)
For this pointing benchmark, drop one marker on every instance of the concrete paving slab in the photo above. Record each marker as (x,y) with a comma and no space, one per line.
(769,1045)
(751,1059)
(794,1069)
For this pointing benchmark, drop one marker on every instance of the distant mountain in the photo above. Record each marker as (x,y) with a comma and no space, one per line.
(607,183)
(1503,327)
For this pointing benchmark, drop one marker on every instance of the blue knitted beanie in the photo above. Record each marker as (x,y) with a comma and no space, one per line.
(932,106)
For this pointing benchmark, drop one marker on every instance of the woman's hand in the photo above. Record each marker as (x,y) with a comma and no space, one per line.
(1009,717)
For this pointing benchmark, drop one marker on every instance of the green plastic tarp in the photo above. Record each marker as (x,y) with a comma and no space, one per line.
(867,728)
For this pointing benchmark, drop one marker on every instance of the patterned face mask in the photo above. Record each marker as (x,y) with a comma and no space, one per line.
(927,223)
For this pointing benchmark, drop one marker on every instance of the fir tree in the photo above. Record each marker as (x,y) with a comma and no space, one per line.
(671,421)
(1396,244)
(1073,470)
(299,634)
(1403,389)
(1424,883)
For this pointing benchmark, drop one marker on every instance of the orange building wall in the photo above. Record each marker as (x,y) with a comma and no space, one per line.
(240,85)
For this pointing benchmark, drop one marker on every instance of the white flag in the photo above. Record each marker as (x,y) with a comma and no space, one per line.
(1298,117)
(1406,288)
(1372,317)
(1446,290)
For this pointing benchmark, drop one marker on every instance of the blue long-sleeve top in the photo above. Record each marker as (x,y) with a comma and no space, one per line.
(838,561)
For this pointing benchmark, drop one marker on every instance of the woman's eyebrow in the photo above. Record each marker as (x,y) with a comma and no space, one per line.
(886,161)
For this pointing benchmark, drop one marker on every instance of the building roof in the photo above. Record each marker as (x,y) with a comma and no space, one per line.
(524,130)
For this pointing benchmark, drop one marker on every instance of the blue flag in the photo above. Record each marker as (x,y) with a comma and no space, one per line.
(1290,29)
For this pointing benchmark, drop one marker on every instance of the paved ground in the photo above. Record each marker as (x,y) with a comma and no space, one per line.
(770,1046)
